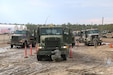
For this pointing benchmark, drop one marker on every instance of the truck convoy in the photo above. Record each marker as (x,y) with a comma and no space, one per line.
(87,36)
(22,37)
(50,37)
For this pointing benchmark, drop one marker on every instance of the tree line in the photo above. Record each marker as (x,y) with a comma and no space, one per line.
(75,27)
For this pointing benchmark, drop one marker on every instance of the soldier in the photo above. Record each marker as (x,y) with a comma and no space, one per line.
(56,55)
(95,40)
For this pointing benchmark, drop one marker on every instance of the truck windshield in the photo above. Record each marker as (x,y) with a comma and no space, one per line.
(51,31)
(92,31)
(19,32)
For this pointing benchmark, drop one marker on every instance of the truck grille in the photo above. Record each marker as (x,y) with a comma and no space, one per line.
(52,43)
(15,38)
(93,36)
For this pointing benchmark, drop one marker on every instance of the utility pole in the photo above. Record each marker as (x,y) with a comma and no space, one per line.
(102,23)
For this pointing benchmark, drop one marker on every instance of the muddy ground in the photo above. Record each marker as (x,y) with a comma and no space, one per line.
(86,60)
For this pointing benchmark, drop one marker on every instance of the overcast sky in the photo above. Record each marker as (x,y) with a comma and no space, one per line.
(56,11)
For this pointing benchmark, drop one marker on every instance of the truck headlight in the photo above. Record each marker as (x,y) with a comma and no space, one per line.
(64,46)
(40,47)
(21,41)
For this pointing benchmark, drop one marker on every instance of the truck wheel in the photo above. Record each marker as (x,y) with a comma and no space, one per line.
(25,43)
(34,44)
(86,44)
(39,58)
(11,46)
(100,43)
(64,57)
(50,59)
(73,44)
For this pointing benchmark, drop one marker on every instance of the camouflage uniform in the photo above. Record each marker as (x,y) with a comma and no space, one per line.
(95,40)
(56,55)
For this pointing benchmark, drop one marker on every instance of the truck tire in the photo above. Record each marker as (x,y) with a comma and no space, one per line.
(73,44)
(64,57)
(100,43)
(86,43)
(39,58)
(25,43)
(11,46)
(33,44)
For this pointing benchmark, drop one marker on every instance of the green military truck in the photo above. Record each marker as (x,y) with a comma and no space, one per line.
(50,37)
(22,38)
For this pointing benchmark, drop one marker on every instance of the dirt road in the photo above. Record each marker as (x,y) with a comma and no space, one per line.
(86,60)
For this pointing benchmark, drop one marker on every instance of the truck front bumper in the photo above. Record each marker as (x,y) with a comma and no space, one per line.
(48,53)
(91,42)
(17,44)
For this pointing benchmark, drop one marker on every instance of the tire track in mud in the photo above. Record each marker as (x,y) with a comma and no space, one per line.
(30,65)
(16,64)
(60,65)
(9,60)
(52,67)
(46,67)
(100,68)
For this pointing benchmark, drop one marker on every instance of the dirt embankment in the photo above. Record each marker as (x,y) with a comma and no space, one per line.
(4,40)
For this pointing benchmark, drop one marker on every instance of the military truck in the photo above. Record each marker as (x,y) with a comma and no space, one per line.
(88,36)
(22,38)
(50,37)
(107,35)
